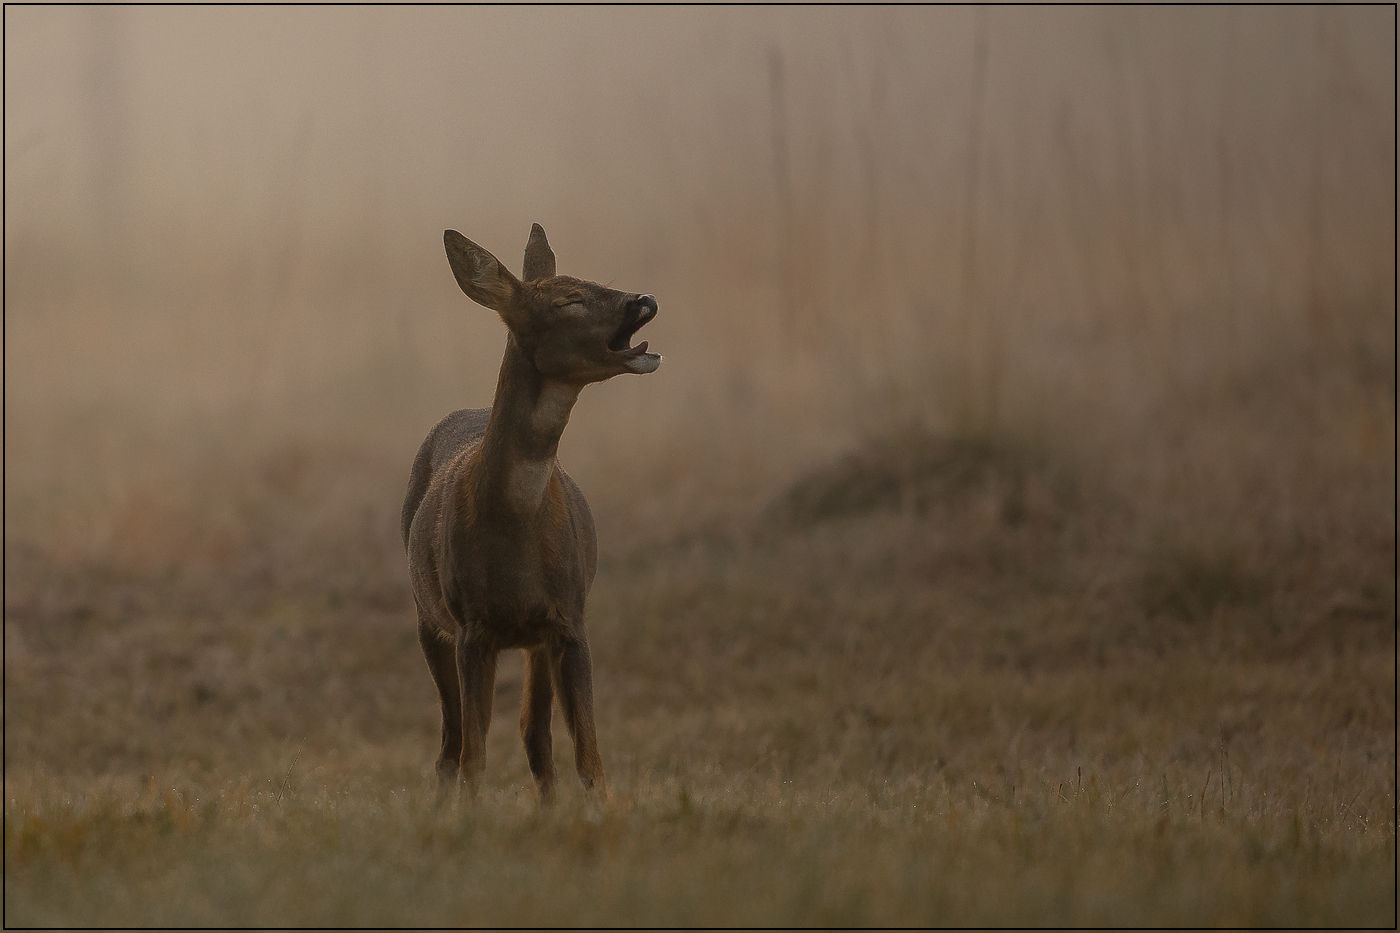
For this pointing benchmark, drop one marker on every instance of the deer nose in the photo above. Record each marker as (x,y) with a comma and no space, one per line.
(647,301)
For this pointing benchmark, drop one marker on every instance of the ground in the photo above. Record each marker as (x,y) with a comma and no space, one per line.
(938,681)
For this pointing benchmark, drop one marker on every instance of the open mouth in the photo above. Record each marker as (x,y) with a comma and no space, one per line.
(621,342)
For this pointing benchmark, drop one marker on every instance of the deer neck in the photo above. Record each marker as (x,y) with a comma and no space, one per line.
(528,417)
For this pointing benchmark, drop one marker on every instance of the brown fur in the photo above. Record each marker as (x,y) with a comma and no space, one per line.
(501,544)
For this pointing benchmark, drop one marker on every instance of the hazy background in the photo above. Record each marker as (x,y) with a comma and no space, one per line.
(1017,496)
(223,235)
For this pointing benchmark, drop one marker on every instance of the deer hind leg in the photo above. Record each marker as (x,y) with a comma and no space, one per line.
(476,676)
(536,707)
(573,673)
(442,664)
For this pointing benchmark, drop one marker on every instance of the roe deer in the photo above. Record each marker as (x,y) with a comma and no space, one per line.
(501,545)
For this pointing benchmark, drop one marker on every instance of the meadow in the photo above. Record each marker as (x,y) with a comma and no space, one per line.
(1007,539)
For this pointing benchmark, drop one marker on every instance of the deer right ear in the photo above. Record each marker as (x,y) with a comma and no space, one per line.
(539,258)
(482,277)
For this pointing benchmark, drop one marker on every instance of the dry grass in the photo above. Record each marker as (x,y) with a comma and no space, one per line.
(695,849)
(1011,550)
(974,669)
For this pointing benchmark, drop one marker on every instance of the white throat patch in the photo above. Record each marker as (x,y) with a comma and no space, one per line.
(551,413)
(527,483)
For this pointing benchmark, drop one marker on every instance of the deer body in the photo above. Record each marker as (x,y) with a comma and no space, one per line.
(501,543)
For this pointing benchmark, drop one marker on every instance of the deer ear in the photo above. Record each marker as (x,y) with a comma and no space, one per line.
(480,274)
(539,258)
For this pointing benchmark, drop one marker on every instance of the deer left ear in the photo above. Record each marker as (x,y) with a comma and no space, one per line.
(481,276)
(539,258)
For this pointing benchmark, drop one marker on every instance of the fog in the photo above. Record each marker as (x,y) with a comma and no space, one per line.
(223,227)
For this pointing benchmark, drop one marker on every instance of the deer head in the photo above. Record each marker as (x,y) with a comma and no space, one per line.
(571,330)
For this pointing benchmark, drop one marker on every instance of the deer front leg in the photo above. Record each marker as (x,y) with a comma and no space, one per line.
(442,664)
(476,675)
(536,708)
(573,667)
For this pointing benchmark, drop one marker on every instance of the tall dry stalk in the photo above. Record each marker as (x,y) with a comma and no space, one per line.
(971,304)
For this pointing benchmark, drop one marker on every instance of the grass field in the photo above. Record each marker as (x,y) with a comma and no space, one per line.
(940,682)
(1007,539)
